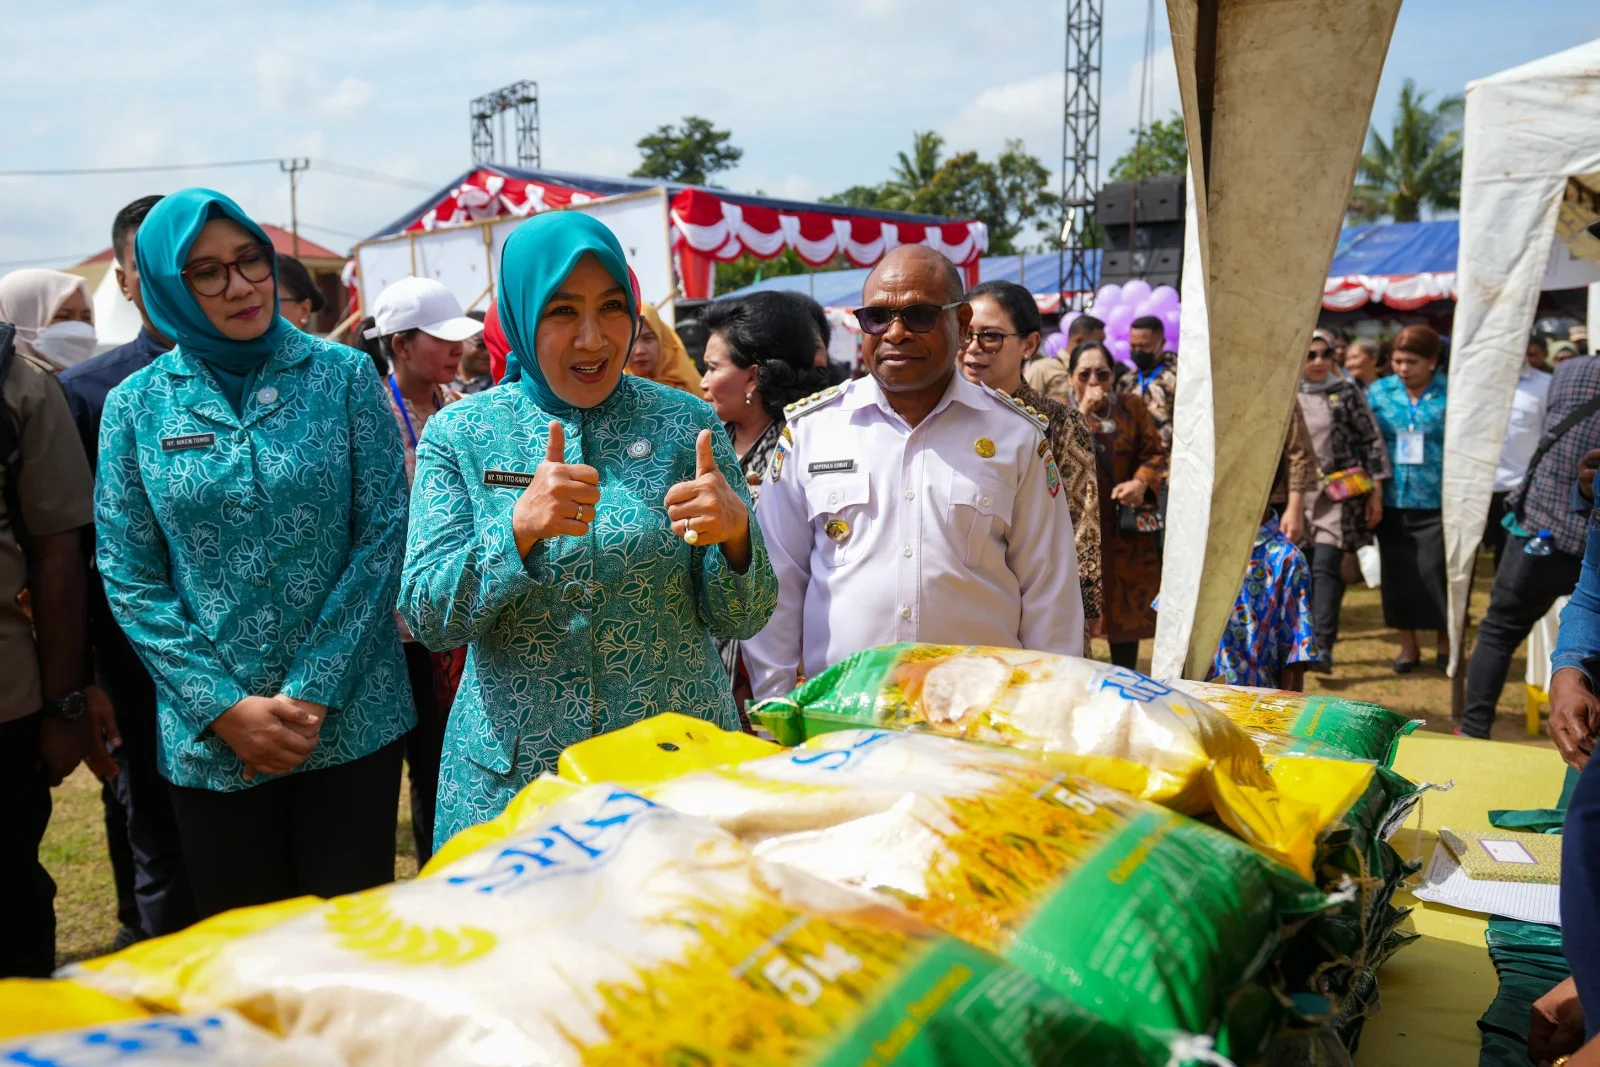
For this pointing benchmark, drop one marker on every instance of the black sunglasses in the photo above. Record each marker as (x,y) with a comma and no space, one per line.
(919,318)
(1326,353)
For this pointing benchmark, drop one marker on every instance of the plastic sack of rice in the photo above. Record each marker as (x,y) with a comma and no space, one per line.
(615,930)
(1140,915)
(222,1039)
(1095,719)
(1366,731)
(35,1005)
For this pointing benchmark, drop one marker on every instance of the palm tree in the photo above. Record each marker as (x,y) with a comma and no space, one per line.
(910,187)
(1418,166)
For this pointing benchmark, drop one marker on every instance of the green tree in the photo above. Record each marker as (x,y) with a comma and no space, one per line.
(690,154)
(1009,194)
(1418,166)
(747,269)
(1159,152)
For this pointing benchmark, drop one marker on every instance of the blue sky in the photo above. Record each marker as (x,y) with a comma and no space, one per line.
(820,95)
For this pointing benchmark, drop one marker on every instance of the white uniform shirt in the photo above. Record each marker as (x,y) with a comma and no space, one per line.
(881,533)
(1524,429)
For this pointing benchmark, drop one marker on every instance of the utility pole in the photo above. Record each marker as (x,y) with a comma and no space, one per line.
(293,167)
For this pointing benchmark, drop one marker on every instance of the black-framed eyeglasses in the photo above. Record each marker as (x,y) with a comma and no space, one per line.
(988,340)
(210,277)
(919,318)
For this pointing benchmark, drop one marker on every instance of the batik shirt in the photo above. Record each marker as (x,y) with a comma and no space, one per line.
(1159,391)
(256,553)
(587,634)
(1414,485)
(1271,625)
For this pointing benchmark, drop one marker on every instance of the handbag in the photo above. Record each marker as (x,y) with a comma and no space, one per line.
(1347,484)
(1143,520)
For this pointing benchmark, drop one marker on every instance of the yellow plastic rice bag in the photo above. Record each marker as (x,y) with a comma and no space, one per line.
(615,930)
(1365,731)
(1141,915)
(222,1039)
(35,1005)
(660,747)
(1096,719)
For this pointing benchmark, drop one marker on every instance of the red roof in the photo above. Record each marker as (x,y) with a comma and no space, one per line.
(282,240)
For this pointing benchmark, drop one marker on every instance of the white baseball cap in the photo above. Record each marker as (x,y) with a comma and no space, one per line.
(421,304)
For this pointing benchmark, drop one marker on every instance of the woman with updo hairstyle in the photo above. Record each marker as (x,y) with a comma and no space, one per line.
(760,358)
(760,353)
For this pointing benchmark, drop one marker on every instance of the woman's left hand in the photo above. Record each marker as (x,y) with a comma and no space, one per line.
(1374,509)
(1130,493)
(710,508)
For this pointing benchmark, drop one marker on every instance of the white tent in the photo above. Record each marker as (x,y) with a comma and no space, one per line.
(1273,148)
(1530,174)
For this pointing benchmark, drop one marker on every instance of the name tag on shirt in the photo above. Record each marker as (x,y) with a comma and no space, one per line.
(188,441)
(1408,447)
(514,479)
(831,466)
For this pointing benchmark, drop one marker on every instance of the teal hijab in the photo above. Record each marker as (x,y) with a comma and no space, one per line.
(537,257)
(161,249)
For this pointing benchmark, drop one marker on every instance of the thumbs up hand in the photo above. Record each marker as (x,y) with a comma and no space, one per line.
(559,500)
(710,508)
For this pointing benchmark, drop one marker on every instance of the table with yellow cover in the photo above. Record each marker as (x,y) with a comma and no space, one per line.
(1435,989)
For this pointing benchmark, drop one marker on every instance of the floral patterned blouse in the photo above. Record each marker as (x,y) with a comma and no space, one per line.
(1413,485)
(1271,625)
(256,553)
(587,634)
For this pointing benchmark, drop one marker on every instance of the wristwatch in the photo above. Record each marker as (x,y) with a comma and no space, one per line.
(69,707)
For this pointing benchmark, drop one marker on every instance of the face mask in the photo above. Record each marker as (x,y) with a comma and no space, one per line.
(65,344)
(1143,359)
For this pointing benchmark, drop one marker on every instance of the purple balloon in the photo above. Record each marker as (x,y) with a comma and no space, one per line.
(1055,343)
(1171,320)
(1119,348)
(1108,297)
(1150,305)
(1134,292)
(1166,293)
(1118,321)
(1067,319)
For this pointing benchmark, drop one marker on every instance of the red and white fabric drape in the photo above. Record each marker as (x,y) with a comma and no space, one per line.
(707,227)
(1403,292)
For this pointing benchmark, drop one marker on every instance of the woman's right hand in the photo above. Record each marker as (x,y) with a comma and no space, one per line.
(1574,716)
(560,499)
(1091,398)
(270,734)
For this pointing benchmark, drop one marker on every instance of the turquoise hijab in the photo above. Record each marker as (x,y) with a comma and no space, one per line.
(536,258)
(161,248)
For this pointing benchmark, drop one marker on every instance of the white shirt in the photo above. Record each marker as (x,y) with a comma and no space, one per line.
(880,533)
(1524,430)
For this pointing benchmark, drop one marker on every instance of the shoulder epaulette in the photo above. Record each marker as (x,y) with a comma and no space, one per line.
(1031,413)
(812,402)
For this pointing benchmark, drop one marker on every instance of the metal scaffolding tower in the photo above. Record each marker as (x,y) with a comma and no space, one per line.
(522,98)
(1080,143)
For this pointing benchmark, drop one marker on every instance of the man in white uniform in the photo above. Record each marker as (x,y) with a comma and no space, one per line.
(912,505)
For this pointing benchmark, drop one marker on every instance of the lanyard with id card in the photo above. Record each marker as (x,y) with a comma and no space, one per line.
(1408,449)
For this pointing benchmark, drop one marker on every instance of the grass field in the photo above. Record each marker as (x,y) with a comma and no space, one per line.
(75,846)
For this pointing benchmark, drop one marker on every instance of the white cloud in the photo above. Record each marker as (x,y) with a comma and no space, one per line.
(349,98)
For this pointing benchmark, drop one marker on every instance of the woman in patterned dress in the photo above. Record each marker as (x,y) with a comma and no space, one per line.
(760,353)
(250,519)
(1131,464)
(584,533)
(1003,336)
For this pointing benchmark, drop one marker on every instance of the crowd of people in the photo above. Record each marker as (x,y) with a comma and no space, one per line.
(250,572)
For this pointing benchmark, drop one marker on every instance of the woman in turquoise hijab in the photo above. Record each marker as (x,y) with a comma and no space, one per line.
(250,520)
(584,533)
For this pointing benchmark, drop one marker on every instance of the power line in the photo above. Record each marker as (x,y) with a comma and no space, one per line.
(331,166)
(78,258)
(56,172)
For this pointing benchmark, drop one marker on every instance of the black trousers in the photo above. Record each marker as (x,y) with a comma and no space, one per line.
(153,895)
(1494,535)
(1525,587)
(1125,654)
(1327,594)
(27,893)
(321,833)
(424,748)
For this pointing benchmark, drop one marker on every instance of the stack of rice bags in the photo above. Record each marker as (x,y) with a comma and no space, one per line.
(609,928)
(1322,810)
